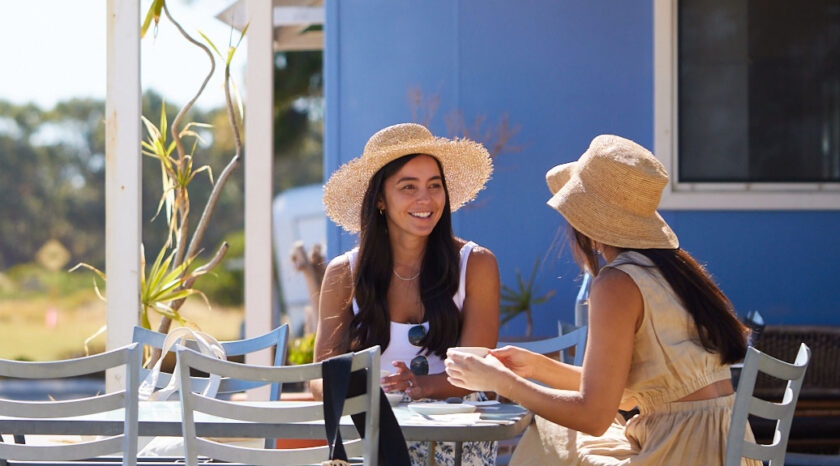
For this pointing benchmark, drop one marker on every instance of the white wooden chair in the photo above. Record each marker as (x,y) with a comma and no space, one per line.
(192,402)
(575,339)
(124,443)
(746,404)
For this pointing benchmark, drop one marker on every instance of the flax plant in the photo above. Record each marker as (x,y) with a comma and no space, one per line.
(169,280)
(523,299)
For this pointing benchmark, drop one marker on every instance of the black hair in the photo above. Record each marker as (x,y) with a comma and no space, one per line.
(439,274)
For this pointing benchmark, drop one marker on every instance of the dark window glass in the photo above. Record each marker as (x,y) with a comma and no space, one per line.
(759,91)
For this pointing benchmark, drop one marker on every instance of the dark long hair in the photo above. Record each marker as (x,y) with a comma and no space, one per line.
(719,330)
(439,274)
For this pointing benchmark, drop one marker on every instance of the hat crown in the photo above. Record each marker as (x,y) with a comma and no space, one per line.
(395,135)
(611,194)
(624,172)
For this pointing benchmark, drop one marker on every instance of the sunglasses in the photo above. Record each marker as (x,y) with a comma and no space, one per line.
(419,364)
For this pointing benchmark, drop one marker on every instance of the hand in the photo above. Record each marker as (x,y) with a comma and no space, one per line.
(474,373)
(518,360)
(402,381)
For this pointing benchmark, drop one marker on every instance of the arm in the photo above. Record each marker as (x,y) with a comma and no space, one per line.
(332,336)
(534,366)
(480,321)
(616,308)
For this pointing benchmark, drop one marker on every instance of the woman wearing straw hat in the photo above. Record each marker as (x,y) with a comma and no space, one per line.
(661,333)
(410,286)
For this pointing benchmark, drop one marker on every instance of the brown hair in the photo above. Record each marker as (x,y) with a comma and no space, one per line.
(719,329)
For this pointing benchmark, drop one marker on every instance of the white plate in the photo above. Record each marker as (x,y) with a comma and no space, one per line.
(441,408)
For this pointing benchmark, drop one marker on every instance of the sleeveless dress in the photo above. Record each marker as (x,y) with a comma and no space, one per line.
(400,349)
(668,363)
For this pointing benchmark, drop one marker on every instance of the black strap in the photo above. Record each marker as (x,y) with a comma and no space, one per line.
(338,379)
(336,374)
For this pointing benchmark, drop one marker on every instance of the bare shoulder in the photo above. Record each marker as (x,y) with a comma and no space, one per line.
(337,287)
(482,257)
(614,291)
(482,263)
(615,282)
(339,268)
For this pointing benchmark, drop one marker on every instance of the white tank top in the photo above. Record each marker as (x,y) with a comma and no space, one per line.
(399,349)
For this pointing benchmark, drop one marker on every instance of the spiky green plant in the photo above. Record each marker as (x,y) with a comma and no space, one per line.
(522,299)
(169,281)
(177,172)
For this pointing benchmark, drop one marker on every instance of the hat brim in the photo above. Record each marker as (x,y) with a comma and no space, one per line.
(467,167)
(602,220)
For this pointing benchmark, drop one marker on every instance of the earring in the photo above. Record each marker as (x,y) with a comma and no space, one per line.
(380,211)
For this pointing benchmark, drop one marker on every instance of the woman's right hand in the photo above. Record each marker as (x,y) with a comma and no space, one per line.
(518,360)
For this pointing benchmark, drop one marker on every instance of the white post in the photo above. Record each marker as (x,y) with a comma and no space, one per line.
(122,176)
(259,80)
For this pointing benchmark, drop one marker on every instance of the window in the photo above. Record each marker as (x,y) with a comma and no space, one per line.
(747,111)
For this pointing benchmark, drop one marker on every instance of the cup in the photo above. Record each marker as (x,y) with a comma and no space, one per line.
(478,351)
(394,398)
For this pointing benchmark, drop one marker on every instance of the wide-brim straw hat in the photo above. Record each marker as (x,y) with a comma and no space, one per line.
(466,166)
(611,194)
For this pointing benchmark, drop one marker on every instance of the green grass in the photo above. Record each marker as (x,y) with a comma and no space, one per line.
(24,334)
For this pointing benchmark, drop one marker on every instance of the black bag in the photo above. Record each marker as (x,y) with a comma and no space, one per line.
(339,384)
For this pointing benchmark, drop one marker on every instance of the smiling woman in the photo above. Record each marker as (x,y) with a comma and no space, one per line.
(411,286)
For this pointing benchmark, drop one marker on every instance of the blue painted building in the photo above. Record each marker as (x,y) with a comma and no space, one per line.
(566,71)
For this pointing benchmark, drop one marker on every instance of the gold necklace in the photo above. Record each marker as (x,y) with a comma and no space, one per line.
(406,279)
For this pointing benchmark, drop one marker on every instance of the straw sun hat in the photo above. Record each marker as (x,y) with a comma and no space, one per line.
(466,166)
(611,193)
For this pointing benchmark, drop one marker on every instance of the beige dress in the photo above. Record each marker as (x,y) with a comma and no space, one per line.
(668,363)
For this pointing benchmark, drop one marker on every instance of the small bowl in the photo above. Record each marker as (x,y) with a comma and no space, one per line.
(394,398)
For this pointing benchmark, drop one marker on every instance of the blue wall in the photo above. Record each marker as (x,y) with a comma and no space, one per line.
(565,71)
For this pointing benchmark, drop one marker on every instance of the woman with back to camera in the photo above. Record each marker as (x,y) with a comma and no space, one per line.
(411,286)
(661,334)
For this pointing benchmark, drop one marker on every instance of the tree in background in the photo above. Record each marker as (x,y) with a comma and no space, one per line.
(298,119)
(52,170)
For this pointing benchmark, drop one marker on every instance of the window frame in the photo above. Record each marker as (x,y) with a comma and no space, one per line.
(709,195)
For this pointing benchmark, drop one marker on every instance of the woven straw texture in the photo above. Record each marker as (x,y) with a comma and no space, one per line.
(611,194)
(467,167)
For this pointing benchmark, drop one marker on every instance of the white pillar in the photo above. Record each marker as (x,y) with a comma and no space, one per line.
(122,176)
(259,80)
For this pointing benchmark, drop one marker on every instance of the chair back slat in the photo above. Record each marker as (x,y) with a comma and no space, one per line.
(767,409)
(65,408)
(218,451)
(61,369)
(746,404)
(780,369)
(302,412)
(125,443)
(81,450)
(758,451)
(192,402)
(235,370)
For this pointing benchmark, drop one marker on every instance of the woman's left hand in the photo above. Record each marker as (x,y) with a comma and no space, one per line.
(402,381)
(475,373)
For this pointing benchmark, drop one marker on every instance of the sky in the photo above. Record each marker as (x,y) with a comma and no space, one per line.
(53,50)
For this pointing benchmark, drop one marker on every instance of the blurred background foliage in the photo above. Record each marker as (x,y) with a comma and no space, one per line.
(52,180)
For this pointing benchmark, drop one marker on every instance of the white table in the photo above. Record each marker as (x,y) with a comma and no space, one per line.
(163,418)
